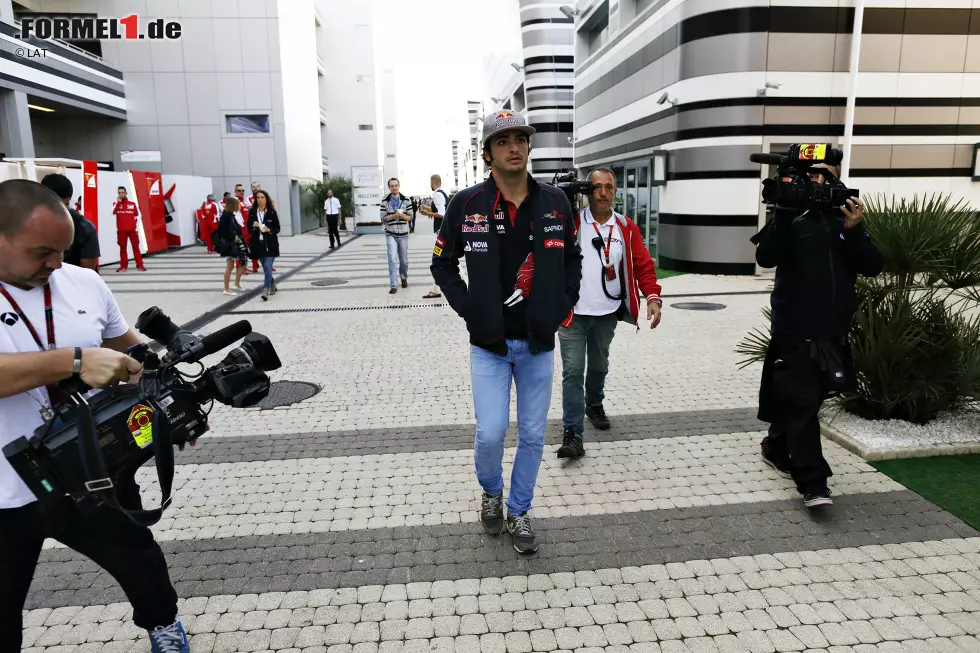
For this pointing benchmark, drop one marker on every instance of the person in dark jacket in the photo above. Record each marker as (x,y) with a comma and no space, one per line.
(263,228)
(84,251)
(518,237)
(817,256)
(227,238)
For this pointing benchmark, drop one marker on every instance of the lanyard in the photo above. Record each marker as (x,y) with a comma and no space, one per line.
(608,243)
(48,316)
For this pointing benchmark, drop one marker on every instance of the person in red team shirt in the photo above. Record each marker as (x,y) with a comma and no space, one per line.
(127,213)
(212,211)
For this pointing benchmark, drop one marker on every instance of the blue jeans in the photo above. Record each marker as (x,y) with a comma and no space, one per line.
(491,376)
(588,338)
(267,262)
(397,258)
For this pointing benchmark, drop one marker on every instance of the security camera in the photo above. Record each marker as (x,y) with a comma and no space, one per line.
(663,98)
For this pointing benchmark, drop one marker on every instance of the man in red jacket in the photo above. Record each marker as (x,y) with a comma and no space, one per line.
(127,213)
(616,270)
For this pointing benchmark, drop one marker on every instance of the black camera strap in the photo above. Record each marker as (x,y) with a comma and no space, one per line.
(97,478)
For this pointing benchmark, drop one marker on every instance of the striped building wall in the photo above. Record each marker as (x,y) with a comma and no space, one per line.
(548,39)
(917,116)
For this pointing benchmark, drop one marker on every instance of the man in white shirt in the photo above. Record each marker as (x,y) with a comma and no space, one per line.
(331,213)
(438,211)
(82,336)
(616,269)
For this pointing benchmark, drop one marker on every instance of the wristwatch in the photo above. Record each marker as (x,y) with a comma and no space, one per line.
(76,368)
(658,302)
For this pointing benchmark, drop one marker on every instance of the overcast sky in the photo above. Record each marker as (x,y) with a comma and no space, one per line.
(437,71)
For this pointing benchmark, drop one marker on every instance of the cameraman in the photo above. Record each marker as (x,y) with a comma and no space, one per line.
(817,255)
(57,323)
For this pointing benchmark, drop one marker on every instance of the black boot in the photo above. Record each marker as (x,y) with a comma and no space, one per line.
(571,445)
(597,415)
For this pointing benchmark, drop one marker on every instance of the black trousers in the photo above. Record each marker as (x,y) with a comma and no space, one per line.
(127,551)
(333,224)
(796,387)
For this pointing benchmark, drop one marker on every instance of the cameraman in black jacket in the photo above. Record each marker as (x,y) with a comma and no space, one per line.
(817,255)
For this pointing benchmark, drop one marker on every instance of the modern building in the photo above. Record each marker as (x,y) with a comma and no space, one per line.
(211,104)
(474,111)
(388,112)
(534,74)
(695,87)
(352,90)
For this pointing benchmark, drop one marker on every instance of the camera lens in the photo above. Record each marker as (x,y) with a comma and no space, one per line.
(155,324)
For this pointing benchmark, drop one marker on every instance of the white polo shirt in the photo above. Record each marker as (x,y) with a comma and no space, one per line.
(331,206)
(592,300)
(85,314)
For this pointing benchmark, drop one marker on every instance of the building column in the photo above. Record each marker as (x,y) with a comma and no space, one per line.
(7,11)
(15,124)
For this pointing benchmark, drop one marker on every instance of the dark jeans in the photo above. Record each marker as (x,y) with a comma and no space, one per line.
(586,340)
(798,393)
(333,224)
(127,551)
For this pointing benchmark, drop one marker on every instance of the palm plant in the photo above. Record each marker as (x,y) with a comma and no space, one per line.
(916,333)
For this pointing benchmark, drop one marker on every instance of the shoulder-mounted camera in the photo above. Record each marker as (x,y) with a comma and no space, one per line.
(791,186)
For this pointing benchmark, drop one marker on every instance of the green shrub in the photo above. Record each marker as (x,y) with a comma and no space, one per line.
(314,194)
(916,333)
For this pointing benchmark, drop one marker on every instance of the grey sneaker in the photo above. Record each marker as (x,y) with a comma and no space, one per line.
(520,529)
(492,513)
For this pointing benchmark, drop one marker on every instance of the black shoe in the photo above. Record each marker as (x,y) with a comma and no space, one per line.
(817,498)
(404,283)
(597,415)
(520,529)
(779,465)
(492,513)
(571,446)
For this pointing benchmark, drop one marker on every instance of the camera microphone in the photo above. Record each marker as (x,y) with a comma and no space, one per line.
(215,342)
(766,159)
(212,343)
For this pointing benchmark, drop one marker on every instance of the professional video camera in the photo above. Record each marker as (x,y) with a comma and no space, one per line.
(88,446)
(571,186)
(792,187)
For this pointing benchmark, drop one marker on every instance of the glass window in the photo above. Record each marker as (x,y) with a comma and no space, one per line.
(620,171)
(252,124)
(642,214)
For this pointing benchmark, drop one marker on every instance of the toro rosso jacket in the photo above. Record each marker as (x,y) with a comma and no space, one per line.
(552,285)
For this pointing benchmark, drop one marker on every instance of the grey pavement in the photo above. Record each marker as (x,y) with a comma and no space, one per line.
(347,522)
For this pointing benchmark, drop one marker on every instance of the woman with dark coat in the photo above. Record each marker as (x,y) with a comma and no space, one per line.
(263,228)
(229,235)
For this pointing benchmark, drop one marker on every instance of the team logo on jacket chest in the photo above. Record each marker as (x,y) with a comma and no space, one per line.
(476,224)
(475,246)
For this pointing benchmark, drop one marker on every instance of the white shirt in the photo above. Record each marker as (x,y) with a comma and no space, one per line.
(439,202)
(85,314)
(592,300)
(332,206)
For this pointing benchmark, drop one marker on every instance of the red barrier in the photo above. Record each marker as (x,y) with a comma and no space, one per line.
(150,199)
(90,192)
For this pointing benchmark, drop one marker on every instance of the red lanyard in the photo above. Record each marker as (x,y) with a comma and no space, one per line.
(605,247)
(48,316)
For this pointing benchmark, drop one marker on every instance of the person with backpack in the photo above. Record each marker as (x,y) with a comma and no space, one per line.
(440,200)
(84,251)
(227,240)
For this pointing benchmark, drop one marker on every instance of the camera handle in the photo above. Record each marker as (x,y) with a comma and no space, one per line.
(93,463)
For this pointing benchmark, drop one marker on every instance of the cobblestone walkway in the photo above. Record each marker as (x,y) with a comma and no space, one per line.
(348,523)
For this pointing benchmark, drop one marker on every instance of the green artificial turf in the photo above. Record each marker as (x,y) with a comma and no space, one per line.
(666,274)
(950,482)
